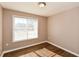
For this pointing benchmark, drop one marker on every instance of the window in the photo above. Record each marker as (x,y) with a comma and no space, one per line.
(24,29)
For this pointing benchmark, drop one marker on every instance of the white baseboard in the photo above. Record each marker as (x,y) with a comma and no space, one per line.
(63,48)
(41,43)
(21,47)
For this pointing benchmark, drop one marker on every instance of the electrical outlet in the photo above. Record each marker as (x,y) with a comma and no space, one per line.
(7,44)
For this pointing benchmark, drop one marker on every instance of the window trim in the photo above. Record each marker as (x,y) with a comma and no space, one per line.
(27,35)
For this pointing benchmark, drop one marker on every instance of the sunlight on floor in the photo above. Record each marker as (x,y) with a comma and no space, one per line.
(42,53)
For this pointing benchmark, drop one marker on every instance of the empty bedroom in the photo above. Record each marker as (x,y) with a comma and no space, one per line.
(39,29)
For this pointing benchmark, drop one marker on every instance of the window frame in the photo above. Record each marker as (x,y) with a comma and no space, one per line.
(13,40)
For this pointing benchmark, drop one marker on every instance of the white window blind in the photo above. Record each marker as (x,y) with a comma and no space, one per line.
(24,28)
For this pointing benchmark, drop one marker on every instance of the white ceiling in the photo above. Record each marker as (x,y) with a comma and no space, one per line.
(32,7)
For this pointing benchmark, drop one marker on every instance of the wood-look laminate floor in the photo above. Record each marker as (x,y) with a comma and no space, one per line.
(41,50)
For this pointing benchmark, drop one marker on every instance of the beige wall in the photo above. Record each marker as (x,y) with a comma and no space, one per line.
(7,27)
(0,29)
(63,29)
